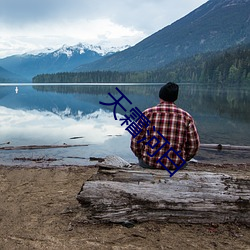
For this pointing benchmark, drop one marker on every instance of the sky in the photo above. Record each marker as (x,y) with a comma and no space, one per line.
(32,25)
(39,124)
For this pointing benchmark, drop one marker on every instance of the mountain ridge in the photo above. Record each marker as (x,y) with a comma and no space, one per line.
(214,26)
(9,77)
(228,67)
(65,58)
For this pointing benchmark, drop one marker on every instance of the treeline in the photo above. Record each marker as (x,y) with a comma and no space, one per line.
(231,66)
(91,77)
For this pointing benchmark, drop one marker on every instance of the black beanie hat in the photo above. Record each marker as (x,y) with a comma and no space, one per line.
(169,92)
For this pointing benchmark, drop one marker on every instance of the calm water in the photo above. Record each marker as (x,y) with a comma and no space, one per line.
(71,114)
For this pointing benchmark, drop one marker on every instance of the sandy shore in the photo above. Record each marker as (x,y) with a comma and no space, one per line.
(38,210)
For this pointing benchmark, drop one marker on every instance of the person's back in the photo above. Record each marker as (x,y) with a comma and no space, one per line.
(171,138)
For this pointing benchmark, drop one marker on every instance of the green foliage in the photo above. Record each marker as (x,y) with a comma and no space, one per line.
(91,77)
(231,66)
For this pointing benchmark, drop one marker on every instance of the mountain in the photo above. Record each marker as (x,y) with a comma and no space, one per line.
(7,76)
(227,67)
(214,26)
(63,59)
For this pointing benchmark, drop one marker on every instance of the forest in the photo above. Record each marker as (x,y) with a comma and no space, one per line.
(231,66)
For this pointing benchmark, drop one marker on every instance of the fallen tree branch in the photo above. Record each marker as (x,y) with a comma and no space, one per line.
(224,146)
(29,147)
(41,159)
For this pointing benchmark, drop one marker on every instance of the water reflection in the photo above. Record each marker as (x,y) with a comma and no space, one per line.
(52,114)
(225,101)
(29,127)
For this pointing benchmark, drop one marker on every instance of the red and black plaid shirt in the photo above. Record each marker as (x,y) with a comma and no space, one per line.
(176,126)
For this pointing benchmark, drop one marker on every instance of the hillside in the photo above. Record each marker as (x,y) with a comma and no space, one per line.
(7,76)
(63,59)
(231,66)
(214,26)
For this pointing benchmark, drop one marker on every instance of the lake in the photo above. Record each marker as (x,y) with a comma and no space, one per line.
(58,114)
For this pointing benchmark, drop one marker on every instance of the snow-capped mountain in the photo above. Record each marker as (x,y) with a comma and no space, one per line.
(81,48)
(64,59)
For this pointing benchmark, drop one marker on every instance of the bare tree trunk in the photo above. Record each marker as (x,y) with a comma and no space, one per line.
(119,195)
(224,147)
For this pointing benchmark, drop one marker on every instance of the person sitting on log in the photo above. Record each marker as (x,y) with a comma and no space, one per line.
(170,139)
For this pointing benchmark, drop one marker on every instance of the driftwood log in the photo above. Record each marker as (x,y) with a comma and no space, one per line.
(224,147)
(30,147)
(119,195)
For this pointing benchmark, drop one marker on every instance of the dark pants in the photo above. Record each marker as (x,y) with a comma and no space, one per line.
(145,165)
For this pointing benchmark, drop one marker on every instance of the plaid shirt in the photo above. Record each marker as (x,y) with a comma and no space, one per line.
(176,126)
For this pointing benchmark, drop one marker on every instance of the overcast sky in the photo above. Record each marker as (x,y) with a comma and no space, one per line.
(27,25)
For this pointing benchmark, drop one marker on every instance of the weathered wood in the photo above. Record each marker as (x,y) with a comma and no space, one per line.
(39,159)
(29,147)
(224,147)
(119,195)
(113,161)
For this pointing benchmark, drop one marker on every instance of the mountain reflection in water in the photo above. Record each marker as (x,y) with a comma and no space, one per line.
(57,114)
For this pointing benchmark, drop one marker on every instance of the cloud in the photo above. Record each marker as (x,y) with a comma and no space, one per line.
(142,14)
(37,23)
(22,12)
(33,127)
(38,36)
